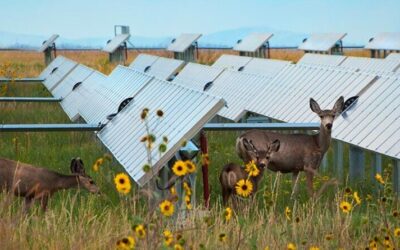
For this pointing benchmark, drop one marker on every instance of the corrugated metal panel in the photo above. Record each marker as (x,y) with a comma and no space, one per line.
(116,42)
(322,41)
(142,62)
(186,111)
(238,89)
(55,63)
(78,74)
(231,62)
(48,43)
(373,122)
(253,42)
(371,65)
(53,79)
(393,57)
(265,67)
(286,97)
(196,76)
(122,83)
(386,41)
(77,99)
(183,42)
(165,68)
(322,60)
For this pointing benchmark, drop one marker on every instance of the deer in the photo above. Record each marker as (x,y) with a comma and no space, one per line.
(39,184)
(231,173)
(298,152)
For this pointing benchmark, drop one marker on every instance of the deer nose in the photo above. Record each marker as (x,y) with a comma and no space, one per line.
(261,165)
(329,126)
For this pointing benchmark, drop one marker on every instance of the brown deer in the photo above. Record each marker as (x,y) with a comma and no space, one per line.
(38,184)
(232,172)
(298,152)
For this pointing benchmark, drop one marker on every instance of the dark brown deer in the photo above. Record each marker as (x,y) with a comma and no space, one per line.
(232,172)
(38,184)
(298,152)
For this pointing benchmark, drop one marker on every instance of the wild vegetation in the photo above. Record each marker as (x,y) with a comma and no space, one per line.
(353,216)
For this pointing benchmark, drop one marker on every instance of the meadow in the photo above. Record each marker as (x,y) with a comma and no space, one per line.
(362,215)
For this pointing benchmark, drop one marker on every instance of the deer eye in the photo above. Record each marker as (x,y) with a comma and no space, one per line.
(321,116)
(91,182)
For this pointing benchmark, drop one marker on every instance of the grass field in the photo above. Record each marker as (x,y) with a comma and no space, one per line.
(79,220)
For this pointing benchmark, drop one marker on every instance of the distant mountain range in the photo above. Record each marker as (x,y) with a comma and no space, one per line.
(226,38)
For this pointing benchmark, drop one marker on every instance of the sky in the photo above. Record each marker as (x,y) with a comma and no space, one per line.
(159,18)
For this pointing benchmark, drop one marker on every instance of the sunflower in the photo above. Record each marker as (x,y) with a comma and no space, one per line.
(97,164)
(288,213)
(186,187)
(168,237)
(244,187)
(178,247)
(126,243)
(190,166)
(291,246)
(188,203)
(222,237)
(357,198)
(373,245)
(379,178)
(329,236)
(314,248)
(228,214)
(173,191)
(252,169)
(179,168)
(122,183)
(345,206)
(325,178)
(397,232)
(167,208)
(140,231)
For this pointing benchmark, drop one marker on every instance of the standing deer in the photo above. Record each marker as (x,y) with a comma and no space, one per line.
(298,152)
(232,173)
(38,184)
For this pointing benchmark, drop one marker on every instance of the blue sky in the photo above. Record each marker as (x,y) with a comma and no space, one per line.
(156,18)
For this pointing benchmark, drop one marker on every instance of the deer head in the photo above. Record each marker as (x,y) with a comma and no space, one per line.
(260,157)
(78,169)
(327,116)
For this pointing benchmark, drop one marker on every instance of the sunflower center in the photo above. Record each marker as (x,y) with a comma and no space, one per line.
(244,187)
(180,168)
(345,207)
(166,207)
(122,181)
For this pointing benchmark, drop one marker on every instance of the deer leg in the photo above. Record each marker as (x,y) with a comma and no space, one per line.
(295,180)
(225,197)
(310,188)
(43,202)
(27,204)
(325,185)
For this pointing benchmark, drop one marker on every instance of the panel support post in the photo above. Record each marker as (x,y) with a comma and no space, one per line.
(204,168)
(338,159)
(376,165)
(357,163)
(396,177)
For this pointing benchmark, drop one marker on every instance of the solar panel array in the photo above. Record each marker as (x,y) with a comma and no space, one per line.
(160,67)
(322,60)
(58,73)
(183,42)
(143,62)
(76,76)
(252,42)
(385,41)
(231,62)
(265,67)
(371,65)
(116,42)
(393,56)
(321,42)
(48,43)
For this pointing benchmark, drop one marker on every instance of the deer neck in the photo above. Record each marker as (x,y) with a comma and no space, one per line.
(68,181)
(324,139)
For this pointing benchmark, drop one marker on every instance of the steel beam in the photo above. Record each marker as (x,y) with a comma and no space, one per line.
(30,99)
(338,159)
(262,126)
(21,80)
(49,127)
(357,163)
(396,177)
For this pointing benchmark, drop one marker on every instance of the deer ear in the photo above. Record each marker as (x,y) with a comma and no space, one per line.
(77,167)
(314,106)
(339,104)
(248,145)
(275,145)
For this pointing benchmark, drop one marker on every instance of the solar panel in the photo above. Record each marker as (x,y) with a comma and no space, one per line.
(231,62)
(373,122)
(371,65)
(143,62)
(186,111)
(265,67)
(183,42)
(252,42)
(322,60)
(78,74)
(165,68)
(322,41)
(122,83)
(385,41)
(57,74)
(238,89)
(77,99)
(286,97)
(196,76)
(48,43)
(116,42)
(393,57)
(55,63)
